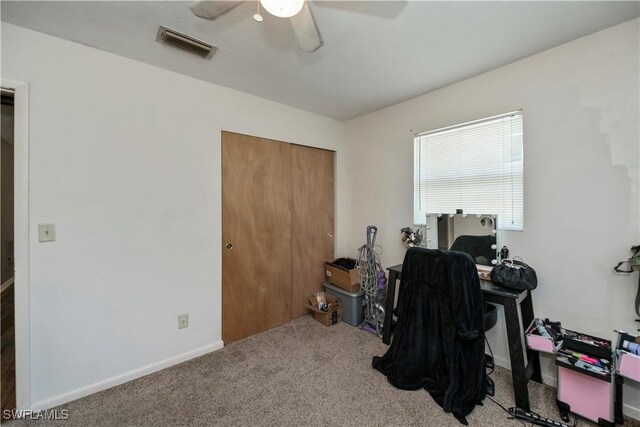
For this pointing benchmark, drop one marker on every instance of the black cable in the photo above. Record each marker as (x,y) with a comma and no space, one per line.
(507,411)
(493,360)
(511,417)
(575,417)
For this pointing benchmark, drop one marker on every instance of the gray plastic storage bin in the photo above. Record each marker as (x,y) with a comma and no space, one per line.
(352,312)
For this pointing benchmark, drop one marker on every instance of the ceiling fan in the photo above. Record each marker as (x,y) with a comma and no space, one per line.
(297,11)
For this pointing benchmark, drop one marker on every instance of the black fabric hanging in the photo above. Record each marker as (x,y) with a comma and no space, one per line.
(438,342)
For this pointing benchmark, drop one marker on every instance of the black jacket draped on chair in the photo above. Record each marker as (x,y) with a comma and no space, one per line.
(438,342)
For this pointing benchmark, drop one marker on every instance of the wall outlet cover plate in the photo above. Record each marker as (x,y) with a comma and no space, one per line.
(46,232)
(183,321)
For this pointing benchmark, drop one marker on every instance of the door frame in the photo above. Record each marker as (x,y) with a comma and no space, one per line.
(21,240)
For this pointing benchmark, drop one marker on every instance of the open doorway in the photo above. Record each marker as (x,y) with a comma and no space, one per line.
(7,267)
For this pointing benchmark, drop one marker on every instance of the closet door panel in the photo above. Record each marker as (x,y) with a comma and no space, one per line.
(312,242)
(256,235)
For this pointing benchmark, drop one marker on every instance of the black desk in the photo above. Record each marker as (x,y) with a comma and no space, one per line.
(515,304)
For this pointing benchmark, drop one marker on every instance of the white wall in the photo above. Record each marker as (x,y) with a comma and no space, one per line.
(125,160)
(580,103)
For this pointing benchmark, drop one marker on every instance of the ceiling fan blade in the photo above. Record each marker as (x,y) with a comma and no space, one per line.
(306,30)
(212,9)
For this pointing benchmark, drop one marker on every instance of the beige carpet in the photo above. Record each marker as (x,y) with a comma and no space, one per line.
(301,373)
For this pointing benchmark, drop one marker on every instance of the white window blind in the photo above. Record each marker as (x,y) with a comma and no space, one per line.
(475,166)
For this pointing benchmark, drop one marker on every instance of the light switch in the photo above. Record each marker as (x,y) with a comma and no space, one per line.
(46,232)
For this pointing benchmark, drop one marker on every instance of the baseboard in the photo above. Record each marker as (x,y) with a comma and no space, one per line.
(551,380)
(631,411)
(502,362)
(123,378)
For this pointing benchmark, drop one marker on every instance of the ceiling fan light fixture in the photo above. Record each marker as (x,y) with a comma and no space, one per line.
(282,8)
(257,17)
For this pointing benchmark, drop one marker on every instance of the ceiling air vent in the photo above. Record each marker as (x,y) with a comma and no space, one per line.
(185,42)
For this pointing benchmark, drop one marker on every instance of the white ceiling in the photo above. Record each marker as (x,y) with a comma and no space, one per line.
(375,53)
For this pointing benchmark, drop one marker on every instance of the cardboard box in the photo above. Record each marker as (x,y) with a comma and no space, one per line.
(347,280)
(330,317)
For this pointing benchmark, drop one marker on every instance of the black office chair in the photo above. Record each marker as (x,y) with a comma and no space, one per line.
(490,316)
(479,247)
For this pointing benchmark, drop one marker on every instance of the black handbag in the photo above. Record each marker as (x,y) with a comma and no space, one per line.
(514,274)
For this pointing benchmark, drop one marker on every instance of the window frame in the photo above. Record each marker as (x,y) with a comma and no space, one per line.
(517,174)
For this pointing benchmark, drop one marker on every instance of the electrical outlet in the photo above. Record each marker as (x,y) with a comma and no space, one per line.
(46,233)
(183,321)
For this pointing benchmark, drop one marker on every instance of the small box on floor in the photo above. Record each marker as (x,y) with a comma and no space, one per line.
(332,316)
(343,274)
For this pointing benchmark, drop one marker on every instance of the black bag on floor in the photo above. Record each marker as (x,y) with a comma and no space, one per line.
(514,274)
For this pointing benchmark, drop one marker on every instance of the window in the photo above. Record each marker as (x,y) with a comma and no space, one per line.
(475,166)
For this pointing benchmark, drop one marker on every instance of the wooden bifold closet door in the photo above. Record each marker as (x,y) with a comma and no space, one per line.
(311,222)
(277,231)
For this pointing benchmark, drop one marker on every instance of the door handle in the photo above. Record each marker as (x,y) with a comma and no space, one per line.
(229,246)
(330,234)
